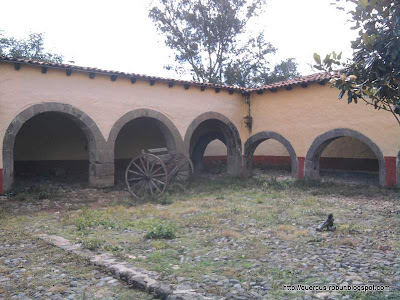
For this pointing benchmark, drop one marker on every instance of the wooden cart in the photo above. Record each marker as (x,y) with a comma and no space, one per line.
(150,173)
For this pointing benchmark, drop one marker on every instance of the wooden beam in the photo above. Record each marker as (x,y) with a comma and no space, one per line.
(202,88)
(92,75)
(152,82)
(68,72)
(44,70)
(170,84)
(186,86)
(217,90)
(113,77)
(231,91)
(17,66)
(133,79)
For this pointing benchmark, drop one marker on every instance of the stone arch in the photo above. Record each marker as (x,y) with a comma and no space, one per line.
(197,139)
(172,136)
(252,143)
(96,142)
(321,142)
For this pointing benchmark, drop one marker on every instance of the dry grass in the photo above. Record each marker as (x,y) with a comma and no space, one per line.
(234,220)
(290,232)
(230,234)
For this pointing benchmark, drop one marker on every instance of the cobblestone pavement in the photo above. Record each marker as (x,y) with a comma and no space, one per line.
(364,250)
(31,269)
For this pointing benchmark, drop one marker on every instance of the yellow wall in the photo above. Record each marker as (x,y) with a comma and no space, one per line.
(138,135)
(216,148)
(106,101)
(301,114)
(345,147)
(348,147)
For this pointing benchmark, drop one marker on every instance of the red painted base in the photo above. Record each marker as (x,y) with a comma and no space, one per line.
(332,163)
(208,159)
(391,178)
(1,182)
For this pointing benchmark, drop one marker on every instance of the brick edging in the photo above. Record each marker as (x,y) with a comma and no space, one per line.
(136,277)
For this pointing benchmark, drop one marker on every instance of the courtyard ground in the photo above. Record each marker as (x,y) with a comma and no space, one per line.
(227,237)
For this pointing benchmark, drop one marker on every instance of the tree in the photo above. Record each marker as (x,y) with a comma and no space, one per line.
(32,48)
(211,40)
(373,74)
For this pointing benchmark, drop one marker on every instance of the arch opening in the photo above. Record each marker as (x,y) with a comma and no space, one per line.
(270,152)
(347,156)
(139,134)
(215,157)
(271,157)
(51,147)
(213,144)
(76,122)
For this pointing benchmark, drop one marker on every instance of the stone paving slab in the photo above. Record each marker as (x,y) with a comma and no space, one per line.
(135,277)
(31,269)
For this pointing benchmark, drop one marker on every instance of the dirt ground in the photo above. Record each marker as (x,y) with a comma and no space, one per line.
(227,237)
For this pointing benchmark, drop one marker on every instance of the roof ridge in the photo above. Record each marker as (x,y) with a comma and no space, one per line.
(302,80)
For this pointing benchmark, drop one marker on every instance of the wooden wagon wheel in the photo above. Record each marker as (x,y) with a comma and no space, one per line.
(146,175)
(184,171)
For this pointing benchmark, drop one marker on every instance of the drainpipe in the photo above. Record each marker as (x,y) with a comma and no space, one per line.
(248,119)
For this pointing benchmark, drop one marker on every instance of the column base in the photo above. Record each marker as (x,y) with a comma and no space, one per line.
(101,181)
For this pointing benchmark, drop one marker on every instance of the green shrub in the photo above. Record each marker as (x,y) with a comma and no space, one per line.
(162,231)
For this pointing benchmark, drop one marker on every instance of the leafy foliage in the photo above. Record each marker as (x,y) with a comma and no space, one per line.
(162,231)
(211,40)
(373,75)
(32,48)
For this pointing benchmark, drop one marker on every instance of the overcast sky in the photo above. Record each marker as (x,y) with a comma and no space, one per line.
(118,35)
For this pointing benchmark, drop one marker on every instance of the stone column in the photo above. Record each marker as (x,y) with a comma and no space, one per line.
(7,172)
(101,168)
(311,169)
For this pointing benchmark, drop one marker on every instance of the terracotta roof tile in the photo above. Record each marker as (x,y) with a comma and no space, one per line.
(314,78)
(303,80)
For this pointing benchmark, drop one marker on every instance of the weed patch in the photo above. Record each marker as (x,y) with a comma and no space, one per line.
(162,231)
(92,243)
(92,218)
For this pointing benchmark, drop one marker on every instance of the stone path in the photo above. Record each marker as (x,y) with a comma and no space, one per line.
(135,277)
(31,269)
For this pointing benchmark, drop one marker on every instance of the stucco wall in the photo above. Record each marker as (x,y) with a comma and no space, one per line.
(138,135)
(302,114)
(299,115)
(270,147)
(348,147)
(345,147)
(106,101)
(50,136)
